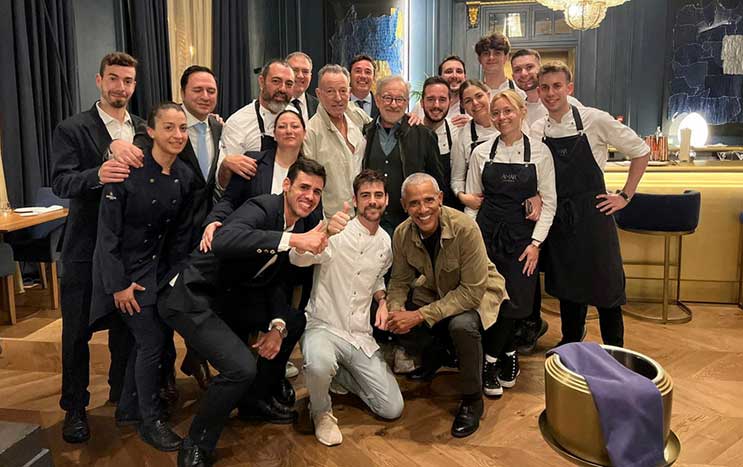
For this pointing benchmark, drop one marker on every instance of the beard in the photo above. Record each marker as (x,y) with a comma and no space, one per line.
(432,119)
(274,102)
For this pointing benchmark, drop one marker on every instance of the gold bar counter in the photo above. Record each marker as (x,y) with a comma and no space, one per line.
(711,255)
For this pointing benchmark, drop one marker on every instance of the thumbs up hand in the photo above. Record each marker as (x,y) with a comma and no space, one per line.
(314,241)
(339,220)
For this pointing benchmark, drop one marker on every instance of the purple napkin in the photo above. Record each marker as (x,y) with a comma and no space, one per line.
(629,405)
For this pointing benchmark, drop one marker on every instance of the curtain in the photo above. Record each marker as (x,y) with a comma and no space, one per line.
(230,54)
(147,28)
(39,89)
(190,36)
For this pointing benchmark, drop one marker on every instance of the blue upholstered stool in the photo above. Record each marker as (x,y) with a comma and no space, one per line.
(668,216)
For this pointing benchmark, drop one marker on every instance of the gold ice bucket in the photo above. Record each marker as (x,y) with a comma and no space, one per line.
(570,422)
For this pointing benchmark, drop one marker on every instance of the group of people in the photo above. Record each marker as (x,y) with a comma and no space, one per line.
(337,221)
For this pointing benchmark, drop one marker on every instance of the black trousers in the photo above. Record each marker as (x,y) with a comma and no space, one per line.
(76,289)
(141,393)
(499,338)
(536,312)
(463,331)
(573,317)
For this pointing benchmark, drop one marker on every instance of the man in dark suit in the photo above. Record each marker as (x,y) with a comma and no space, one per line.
(199,92)
(81,165)
(397,149)
(305,103)
(362,70)
(247,275)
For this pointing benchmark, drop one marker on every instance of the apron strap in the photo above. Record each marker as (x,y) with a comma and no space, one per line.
(494,148)
(576,117)
(511,86)
(473,132)
(527,149)
(448,133)
(261,125)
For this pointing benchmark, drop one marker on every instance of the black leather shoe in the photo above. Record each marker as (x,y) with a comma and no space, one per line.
(199,369)
(159,435)
(531,333)
(425,372)
(284,393)
(76,429)
(271,412)
(190,455)
(563,341)
(467,420)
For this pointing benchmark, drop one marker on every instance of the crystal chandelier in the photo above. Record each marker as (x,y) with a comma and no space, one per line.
(582,14)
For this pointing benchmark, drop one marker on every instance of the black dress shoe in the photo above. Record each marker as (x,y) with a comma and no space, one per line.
(425,372)
(271,412)
(197,368)
(467,420)
(530,335)
(190,455)
(76,429)
(159,435)
(284,393)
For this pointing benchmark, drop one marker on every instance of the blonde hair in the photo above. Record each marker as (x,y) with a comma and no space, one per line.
(512,97)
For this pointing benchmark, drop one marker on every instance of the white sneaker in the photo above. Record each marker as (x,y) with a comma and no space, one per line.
(291,370)
(404,363)
(326,429)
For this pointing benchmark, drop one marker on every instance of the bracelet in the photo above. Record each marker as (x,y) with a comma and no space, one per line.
(536,243)
(623,195)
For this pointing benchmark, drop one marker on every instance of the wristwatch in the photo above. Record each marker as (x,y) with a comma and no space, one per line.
(623,195)
(536,243)
(282,330)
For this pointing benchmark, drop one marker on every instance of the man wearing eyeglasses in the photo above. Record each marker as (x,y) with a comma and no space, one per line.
(397,149)
(334,137)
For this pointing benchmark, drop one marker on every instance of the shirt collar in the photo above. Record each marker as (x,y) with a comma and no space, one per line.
(394,127)
(366,99)
(567,117)
(191,120)
(108,119)
(302,98)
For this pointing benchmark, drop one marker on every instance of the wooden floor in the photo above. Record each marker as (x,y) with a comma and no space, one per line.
(704,357)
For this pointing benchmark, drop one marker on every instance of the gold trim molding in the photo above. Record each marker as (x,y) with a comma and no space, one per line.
(473,10)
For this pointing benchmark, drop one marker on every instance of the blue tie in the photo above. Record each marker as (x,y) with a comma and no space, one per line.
(202,152)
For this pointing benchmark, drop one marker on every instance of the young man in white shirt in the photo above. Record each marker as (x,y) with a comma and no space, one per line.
(338,347)
(584,265)
(492,53)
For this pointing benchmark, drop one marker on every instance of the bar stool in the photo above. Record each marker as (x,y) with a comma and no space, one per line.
(667,216)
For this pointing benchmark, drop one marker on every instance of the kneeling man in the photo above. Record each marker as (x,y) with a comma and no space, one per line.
(337,345)
(443,288)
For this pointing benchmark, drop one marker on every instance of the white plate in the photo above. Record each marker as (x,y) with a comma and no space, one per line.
(21,210)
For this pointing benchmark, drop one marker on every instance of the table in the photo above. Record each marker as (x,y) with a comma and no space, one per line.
(10,222)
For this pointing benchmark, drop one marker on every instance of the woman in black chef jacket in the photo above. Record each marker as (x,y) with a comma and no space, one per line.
(143,233)
(507,172)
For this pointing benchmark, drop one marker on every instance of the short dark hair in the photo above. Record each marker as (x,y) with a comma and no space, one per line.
(555,66)
(368,176)
(495,41)
(162,106)
(194,69)
(361,57)
(301,120)
(267,66)
(430,81)
(451,57)
(118,59)
(525,53)
(308,166)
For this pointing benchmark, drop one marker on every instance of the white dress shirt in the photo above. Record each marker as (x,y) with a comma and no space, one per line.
(440,132)
(460,154)
(367,102)
(116,129)
(349,272)
(277,181)
(537,110)
(302,105)
(514,154)
(601,129)
(193,134)
(504,86)
(241,132)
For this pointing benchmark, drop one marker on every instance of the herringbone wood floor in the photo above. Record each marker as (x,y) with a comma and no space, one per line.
(704,357)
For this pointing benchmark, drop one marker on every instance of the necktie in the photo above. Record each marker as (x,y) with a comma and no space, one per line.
(296,103)
(361,104)
(202,152)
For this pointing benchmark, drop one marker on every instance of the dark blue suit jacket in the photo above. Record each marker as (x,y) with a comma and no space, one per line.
(78,150)
(240,190)
(226,279)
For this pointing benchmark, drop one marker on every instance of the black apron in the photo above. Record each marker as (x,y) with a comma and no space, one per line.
(267,141)
(450,199)
(582,261)
(473,135)
(506,230)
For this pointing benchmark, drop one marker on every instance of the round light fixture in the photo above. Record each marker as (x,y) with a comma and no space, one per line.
(699,129)
(585,14)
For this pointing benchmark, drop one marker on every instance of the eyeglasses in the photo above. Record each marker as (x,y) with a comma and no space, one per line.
(506,113)
(397,100)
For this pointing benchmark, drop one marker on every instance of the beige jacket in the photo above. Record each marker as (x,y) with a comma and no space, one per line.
(464,279)
(325,144)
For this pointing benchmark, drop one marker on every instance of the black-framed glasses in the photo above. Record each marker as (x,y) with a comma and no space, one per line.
(387,99)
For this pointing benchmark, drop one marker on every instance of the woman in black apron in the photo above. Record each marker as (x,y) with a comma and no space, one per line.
(583,262)
(509,171)
(144,234)
(473,95)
